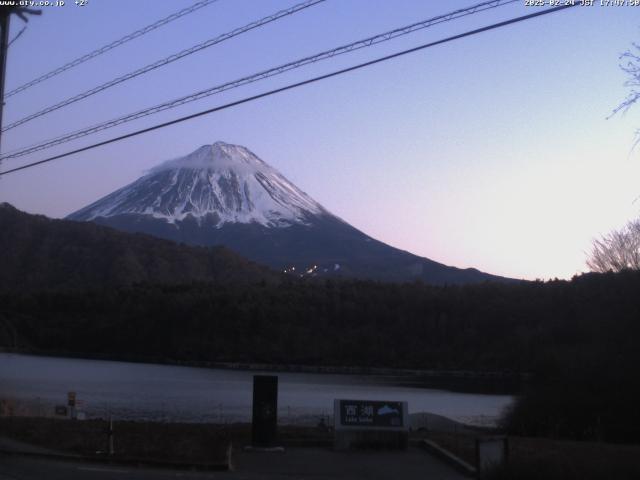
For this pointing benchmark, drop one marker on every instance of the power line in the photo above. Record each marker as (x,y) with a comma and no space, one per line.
(167,60)
(112,45)
(367,42)
(294,85)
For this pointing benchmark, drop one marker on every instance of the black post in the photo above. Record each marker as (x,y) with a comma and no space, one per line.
(265,410)
(110,433)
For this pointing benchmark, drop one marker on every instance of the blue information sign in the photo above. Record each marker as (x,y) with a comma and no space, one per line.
(370,413)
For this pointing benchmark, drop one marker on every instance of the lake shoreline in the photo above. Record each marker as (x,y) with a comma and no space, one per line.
(469,381)
(142,391)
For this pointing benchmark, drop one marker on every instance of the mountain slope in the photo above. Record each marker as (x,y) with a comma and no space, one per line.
(38,253)
(216,184)
(223,194)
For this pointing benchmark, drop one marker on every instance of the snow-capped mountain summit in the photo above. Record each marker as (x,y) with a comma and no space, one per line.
(221,183)
(223,194)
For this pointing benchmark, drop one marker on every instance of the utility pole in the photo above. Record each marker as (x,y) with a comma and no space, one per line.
(5,14)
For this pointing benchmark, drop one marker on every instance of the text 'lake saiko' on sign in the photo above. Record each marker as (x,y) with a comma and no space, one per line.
(371,413)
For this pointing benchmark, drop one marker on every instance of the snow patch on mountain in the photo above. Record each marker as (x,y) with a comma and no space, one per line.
(220,156)
(221,183)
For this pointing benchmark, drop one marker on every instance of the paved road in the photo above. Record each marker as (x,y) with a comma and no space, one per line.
(321,464)
(294,463)
(28,468)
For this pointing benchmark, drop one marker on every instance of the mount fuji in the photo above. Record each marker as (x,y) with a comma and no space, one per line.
(223,194)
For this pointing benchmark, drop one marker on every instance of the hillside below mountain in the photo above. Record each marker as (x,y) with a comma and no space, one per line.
(39,253)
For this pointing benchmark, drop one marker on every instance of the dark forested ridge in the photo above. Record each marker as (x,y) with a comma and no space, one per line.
(519,327)
(38,253)
(579,338)
(326,242)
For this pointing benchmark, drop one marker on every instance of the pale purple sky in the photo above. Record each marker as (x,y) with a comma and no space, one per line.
(492,151)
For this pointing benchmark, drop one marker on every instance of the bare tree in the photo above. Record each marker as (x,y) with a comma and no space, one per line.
(619,250)
(630,64)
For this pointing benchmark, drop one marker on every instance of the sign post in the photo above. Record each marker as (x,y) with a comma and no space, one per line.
(265,411)
(491,453)
(371,424)
(71,402)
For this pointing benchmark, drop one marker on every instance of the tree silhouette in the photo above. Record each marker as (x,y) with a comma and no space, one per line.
(618,250)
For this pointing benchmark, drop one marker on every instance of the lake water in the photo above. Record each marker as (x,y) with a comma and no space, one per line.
(138,391)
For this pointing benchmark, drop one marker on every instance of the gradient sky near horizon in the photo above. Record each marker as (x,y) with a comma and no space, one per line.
(492,151)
